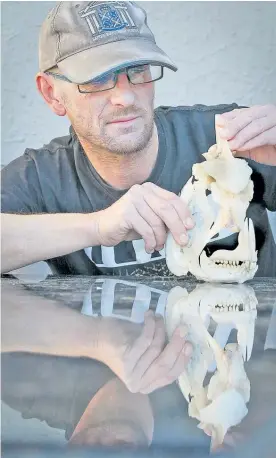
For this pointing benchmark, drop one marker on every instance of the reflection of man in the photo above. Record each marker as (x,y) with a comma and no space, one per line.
(127,351)
(94,408)
(115,417)
(83,398)
(52,389)
(115,179)
(138,354)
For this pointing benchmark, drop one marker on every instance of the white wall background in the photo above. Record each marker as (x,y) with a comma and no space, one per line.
(225,52)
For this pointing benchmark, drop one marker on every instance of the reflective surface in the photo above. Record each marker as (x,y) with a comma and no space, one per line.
(79,376)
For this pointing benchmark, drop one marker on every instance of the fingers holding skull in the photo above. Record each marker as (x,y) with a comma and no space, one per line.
(251,132)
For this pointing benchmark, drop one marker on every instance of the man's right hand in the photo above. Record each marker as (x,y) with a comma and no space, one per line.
(140,355)
(146,211)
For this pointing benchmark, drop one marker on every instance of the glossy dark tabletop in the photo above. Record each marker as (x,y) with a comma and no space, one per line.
(48,389)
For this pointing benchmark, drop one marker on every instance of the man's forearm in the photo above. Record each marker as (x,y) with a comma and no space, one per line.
(31,238)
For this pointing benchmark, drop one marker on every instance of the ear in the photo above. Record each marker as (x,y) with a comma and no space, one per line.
(45,85)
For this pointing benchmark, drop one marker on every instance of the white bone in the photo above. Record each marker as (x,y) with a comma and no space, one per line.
(222,403)
(208,296)
(231,190)
(227,410)
(180,310)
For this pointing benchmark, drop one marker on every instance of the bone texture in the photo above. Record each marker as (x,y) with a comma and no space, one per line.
(228,181)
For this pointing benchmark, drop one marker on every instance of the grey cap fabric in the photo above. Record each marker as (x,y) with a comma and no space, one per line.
(88,39)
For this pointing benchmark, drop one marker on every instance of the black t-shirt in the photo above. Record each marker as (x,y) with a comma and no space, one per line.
(59,178)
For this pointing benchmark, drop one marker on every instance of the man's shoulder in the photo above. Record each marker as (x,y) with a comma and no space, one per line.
(42,164)
(197,109)
(59,147)
(189,128)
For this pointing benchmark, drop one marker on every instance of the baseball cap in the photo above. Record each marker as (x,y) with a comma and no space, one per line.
(88,39)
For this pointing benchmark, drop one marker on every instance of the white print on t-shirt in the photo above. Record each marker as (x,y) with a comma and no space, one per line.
(109,255)
(136,312)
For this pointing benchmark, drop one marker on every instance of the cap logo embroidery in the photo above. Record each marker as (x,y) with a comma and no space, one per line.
(105,17)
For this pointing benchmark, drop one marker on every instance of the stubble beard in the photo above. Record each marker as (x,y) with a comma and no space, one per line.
(130,142)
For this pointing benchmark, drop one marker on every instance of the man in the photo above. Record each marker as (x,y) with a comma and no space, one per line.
(102,199)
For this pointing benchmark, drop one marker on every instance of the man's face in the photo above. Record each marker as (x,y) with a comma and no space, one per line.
(119,120)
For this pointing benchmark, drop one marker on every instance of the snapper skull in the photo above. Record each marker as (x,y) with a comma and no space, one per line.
(218,215)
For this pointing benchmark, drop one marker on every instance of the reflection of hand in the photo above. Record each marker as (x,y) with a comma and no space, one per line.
(251,132)
(139,355)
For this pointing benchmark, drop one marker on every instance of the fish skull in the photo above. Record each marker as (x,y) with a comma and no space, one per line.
(218,195)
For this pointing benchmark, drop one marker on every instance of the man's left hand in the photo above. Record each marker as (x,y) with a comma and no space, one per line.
(251,132)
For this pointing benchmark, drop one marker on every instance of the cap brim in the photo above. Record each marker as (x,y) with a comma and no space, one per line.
(94,62)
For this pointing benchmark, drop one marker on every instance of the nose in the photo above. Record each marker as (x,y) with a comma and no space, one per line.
(122,94)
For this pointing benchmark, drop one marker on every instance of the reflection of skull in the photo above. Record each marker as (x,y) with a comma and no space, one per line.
(218,196)
(229,304)
(180,310)
(221,403)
